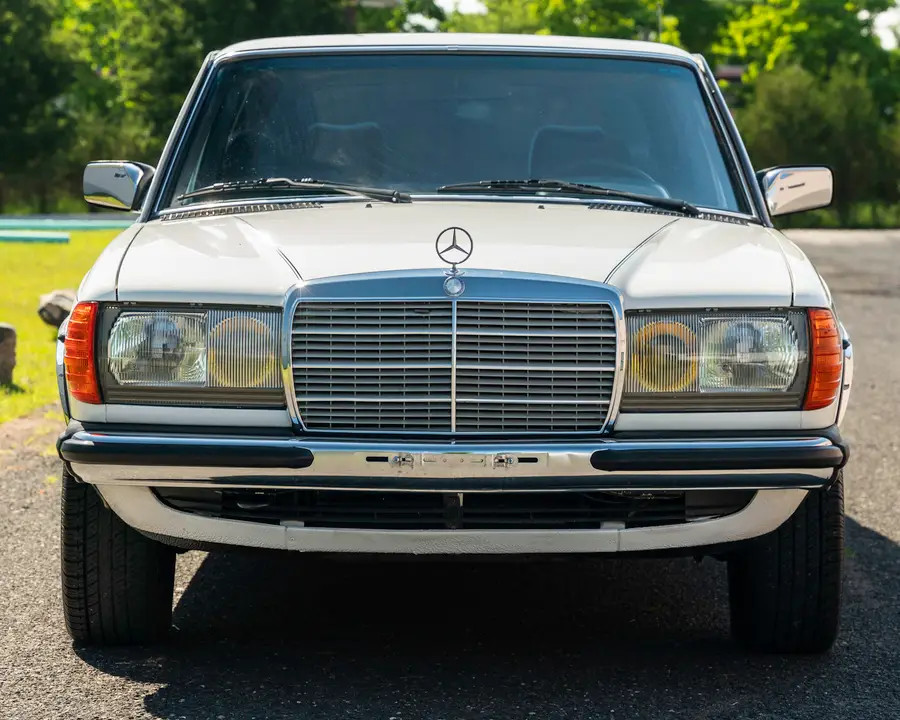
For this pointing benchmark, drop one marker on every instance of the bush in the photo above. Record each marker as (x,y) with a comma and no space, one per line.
(795,118)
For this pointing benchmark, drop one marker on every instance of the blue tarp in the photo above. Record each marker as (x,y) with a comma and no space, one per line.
(105,221)
(33,236)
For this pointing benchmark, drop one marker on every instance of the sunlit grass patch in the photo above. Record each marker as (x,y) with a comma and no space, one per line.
(27,270)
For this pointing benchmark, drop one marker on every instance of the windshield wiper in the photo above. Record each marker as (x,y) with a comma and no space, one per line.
(263,185)
(573,188)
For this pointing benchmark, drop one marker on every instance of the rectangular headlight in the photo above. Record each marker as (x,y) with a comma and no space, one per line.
(716,361)
(196,356)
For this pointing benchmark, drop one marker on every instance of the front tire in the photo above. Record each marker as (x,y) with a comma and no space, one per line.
(116,584)
(785,587)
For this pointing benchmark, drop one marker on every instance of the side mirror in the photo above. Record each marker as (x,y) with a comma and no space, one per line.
(116,184)
(792,189)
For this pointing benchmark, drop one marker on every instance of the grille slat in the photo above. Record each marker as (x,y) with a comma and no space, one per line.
(534,367)
(526,367)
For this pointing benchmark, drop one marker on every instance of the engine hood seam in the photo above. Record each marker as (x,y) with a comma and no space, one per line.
(278,250)
(122,259)
(638,247)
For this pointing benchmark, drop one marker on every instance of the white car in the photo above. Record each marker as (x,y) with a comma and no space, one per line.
(455,294)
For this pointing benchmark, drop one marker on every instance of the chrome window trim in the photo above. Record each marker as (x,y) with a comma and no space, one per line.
(738,148)
(172,148)
(588,292)
(709,89)
(455,48)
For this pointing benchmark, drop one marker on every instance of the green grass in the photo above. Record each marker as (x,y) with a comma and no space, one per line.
(27,270)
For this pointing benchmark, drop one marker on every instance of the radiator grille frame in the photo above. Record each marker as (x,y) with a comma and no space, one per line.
(523,289)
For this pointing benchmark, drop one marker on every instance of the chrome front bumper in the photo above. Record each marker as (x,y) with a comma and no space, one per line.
(112,456)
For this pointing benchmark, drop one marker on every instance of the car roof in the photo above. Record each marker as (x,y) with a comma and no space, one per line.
(455,40)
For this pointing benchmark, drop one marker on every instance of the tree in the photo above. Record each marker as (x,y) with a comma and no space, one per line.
(699,22)
(117,49)
(501,16)
(813,34)
(409,16)
(631,19)
(856,138)
(218,23)
(783,122)
(33,76)
(794,118)
(134,61)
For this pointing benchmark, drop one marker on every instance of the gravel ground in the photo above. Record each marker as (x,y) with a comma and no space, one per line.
(276,636)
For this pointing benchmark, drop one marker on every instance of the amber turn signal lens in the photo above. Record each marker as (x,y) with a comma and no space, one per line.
(79,358)
(826,366)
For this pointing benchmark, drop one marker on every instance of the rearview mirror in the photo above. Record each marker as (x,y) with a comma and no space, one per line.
(116,184)
(791,189)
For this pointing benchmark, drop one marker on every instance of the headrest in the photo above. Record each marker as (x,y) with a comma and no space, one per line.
(348,153)
(556,149)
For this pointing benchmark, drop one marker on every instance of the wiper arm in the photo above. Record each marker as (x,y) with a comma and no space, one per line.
(563,186)
(288,184)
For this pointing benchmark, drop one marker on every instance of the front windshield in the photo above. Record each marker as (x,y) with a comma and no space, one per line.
(416,122)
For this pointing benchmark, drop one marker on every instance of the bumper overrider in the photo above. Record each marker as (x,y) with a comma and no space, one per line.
(282,460)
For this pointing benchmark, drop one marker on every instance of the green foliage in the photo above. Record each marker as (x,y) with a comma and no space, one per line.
(217,23)
(34,73)
(502,16)
(599,18)
(782,124)
(814,34)
(795,118)
(699,22)
(409,16)
(82,79)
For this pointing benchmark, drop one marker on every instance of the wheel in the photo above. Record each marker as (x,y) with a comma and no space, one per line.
(116,583)
(785,587)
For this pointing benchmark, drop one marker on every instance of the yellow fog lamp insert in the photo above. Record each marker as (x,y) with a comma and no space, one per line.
(664,356)
(243,352)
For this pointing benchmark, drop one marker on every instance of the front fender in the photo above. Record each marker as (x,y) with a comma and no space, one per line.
(61,370)
(847,379)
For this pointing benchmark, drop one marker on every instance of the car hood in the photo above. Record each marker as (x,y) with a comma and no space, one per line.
(655,259)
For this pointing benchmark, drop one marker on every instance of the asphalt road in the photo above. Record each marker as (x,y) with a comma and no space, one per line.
(273,636)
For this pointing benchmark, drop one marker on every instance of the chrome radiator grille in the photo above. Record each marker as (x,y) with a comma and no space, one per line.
(515,367)
(373,365)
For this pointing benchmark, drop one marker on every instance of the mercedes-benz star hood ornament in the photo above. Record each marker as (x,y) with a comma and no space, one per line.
(454,246)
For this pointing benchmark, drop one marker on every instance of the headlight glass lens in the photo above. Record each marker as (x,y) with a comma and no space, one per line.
(742,354)
(223,356)
(158,348)
(716,360)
